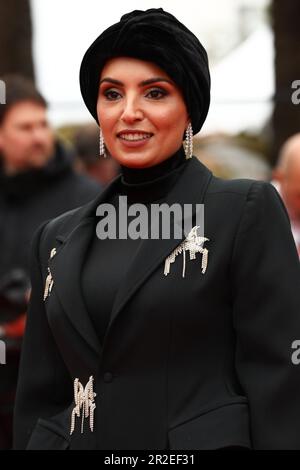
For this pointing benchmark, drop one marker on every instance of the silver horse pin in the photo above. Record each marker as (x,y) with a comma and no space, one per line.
(192,243)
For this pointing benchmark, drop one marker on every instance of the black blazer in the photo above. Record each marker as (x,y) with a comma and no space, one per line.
(200,362)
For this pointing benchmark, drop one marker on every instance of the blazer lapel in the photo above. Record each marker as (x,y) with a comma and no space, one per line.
(189,189)
(66,268)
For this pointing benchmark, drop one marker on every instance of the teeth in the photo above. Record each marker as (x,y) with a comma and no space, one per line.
(135,136)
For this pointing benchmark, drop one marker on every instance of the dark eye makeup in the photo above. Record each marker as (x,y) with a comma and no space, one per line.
(153,93)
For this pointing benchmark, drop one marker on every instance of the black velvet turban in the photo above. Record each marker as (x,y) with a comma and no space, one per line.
(156,36)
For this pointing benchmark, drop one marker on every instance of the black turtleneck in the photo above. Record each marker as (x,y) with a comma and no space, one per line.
(108,260)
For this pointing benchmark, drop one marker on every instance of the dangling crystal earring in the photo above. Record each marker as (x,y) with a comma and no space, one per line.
(101,145)
(188,146)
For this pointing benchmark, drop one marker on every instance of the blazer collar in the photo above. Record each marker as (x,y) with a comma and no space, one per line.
(66,266)
(74,237)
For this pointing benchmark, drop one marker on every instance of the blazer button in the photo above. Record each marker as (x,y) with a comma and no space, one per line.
(108,377)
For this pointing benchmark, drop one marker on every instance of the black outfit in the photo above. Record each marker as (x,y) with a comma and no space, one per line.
(200,362)
(107,261)
(26,200)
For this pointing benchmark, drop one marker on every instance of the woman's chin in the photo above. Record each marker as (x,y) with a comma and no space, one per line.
(134,160)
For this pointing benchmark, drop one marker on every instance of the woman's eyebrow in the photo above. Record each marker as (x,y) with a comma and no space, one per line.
(154,80)
(143,83)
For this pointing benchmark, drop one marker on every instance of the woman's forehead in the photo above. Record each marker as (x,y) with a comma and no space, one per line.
(131,68)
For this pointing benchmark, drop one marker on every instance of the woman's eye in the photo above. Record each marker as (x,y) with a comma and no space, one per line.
(111,95)
(156,93)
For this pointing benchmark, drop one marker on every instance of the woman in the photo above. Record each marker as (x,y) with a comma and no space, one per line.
(159,342)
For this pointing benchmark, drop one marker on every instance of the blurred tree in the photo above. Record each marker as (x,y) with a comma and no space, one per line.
(15,38)
(286,116)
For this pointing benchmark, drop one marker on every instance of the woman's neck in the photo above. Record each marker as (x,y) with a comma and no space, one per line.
(145,185)
(144,175)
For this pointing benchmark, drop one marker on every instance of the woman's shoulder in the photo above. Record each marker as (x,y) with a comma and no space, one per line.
(242,190)
(67,219)
(241,186)
(51,233)
(242,195)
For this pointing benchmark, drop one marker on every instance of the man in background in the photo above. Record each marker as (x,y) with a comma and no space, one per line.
(286,177)
(37,183)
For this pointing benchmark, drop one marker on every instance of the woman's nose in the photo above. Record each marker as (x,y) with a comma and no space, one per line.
(132,111)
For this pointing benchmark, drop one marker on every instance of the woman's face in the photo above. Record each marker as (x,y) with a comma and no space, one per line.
(141,112)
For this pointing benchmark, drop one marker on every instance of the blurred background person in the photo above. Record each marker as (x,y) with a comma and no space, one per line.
(86,142)
(286,178)
(37,182)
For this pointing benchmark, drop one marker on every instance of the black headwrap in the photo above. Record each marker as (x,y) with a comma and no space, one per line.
(156,36)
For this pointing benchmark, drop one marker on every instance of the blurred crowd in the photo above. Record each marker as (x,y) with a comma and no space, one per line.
(42,177)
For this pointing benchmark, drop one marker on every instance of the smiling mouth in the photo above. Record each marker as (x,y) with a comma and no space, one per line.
(135,137)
